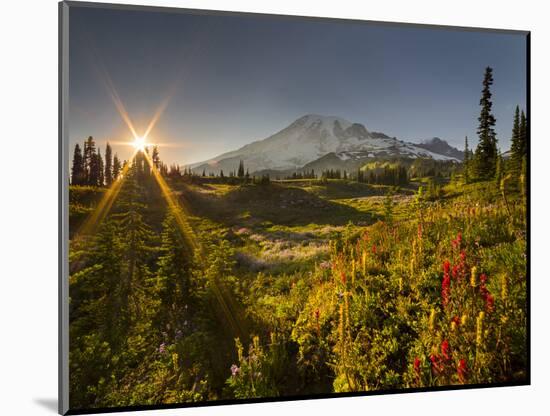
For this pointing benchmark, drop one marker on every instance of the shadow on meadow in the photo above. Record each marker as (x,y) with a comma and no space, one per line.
(274,203)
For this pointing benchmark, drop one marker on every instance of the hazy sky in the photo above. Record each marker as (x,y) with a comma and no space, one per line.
(233,80)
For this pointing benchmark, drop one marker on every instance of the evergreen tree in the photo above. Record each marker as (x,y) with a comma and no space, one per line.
(523,134)
(108,165)
(89,156)
(116,167)
(466,161)
(101,169)
(136,280)
(486,151)
(156,158)
(78,175)
(174,275)
(240,172)
(93,175)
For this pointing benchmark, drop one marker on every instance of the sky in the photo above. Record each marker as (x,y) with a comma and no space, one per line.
(229,80)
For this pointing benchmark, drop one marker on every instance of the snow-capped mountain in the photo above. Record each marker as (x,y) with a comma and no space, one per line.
(441,147)
(312,137)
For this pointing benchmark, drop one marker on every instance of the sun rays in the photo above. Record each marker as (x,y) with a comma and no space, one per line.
(141,144)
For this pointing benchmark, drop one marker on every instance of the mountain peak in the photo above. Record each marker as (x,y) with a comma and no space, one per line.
(313,136)
(322,121)
(437,145)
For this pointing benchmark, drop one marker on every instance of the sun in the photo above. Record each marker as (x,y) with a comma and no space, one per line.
(139,143)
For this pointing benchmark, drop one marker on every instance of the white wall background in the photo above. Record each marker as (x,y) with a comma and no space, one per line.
(28,204)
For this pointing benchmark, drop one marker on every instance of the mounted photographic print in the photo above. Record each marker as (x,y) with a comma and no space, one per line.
(261,208)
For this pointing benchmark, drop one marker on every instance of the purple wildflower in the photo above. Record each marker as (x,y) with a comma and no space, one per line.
(162,348)
(235,370)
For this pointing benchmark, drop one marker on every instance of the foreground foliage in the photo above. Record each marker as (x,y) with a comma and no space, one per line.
(423,292)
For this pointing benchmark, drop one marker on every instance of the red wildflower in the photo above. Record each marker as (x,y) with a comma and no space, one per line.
(455,270)
(456,320)
(416,366)
(457,241)
(446,266)
(445,349)
(374,249)
(489,302)
(446,284)
(317,314)
(482,285)
(343,277)
(483,278)
(436,363)
(462,370)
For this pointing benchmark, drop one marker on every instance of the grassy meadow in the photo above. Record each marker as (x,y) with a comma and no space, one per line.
(294,287)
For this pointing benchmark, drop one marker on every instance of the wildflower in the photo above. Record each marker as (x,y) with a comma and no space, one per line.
(503,287)
(454,271)
(479,328)
(445,350)
(436,363)
(489,303)
(432,319)
(446,284)
(457,241)
(162,348)
(463,319)
(235,370)
(343,277)
(317,314)
(416,367)
(175,363)
(483,278)
(473,272)
(462,370)
(373,249)
(446,266)
(455,322)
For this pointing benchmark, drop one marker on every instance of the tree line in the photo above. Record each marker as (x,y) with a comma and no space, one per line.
(89,167)
(487,162)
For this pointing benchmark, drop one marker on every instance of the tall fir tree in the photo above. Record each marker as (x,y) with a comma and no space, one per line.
(515,148)
(108,165)
(240,171)
(486,151)
(93,176)
(174,275)
(100,169)
(523,134)
(89,157)
(78,175)
(116,167)
(466,161)
(156,158)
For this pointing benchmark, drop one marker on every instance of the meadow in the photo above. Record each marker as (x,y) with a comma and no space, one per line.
(295,287)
